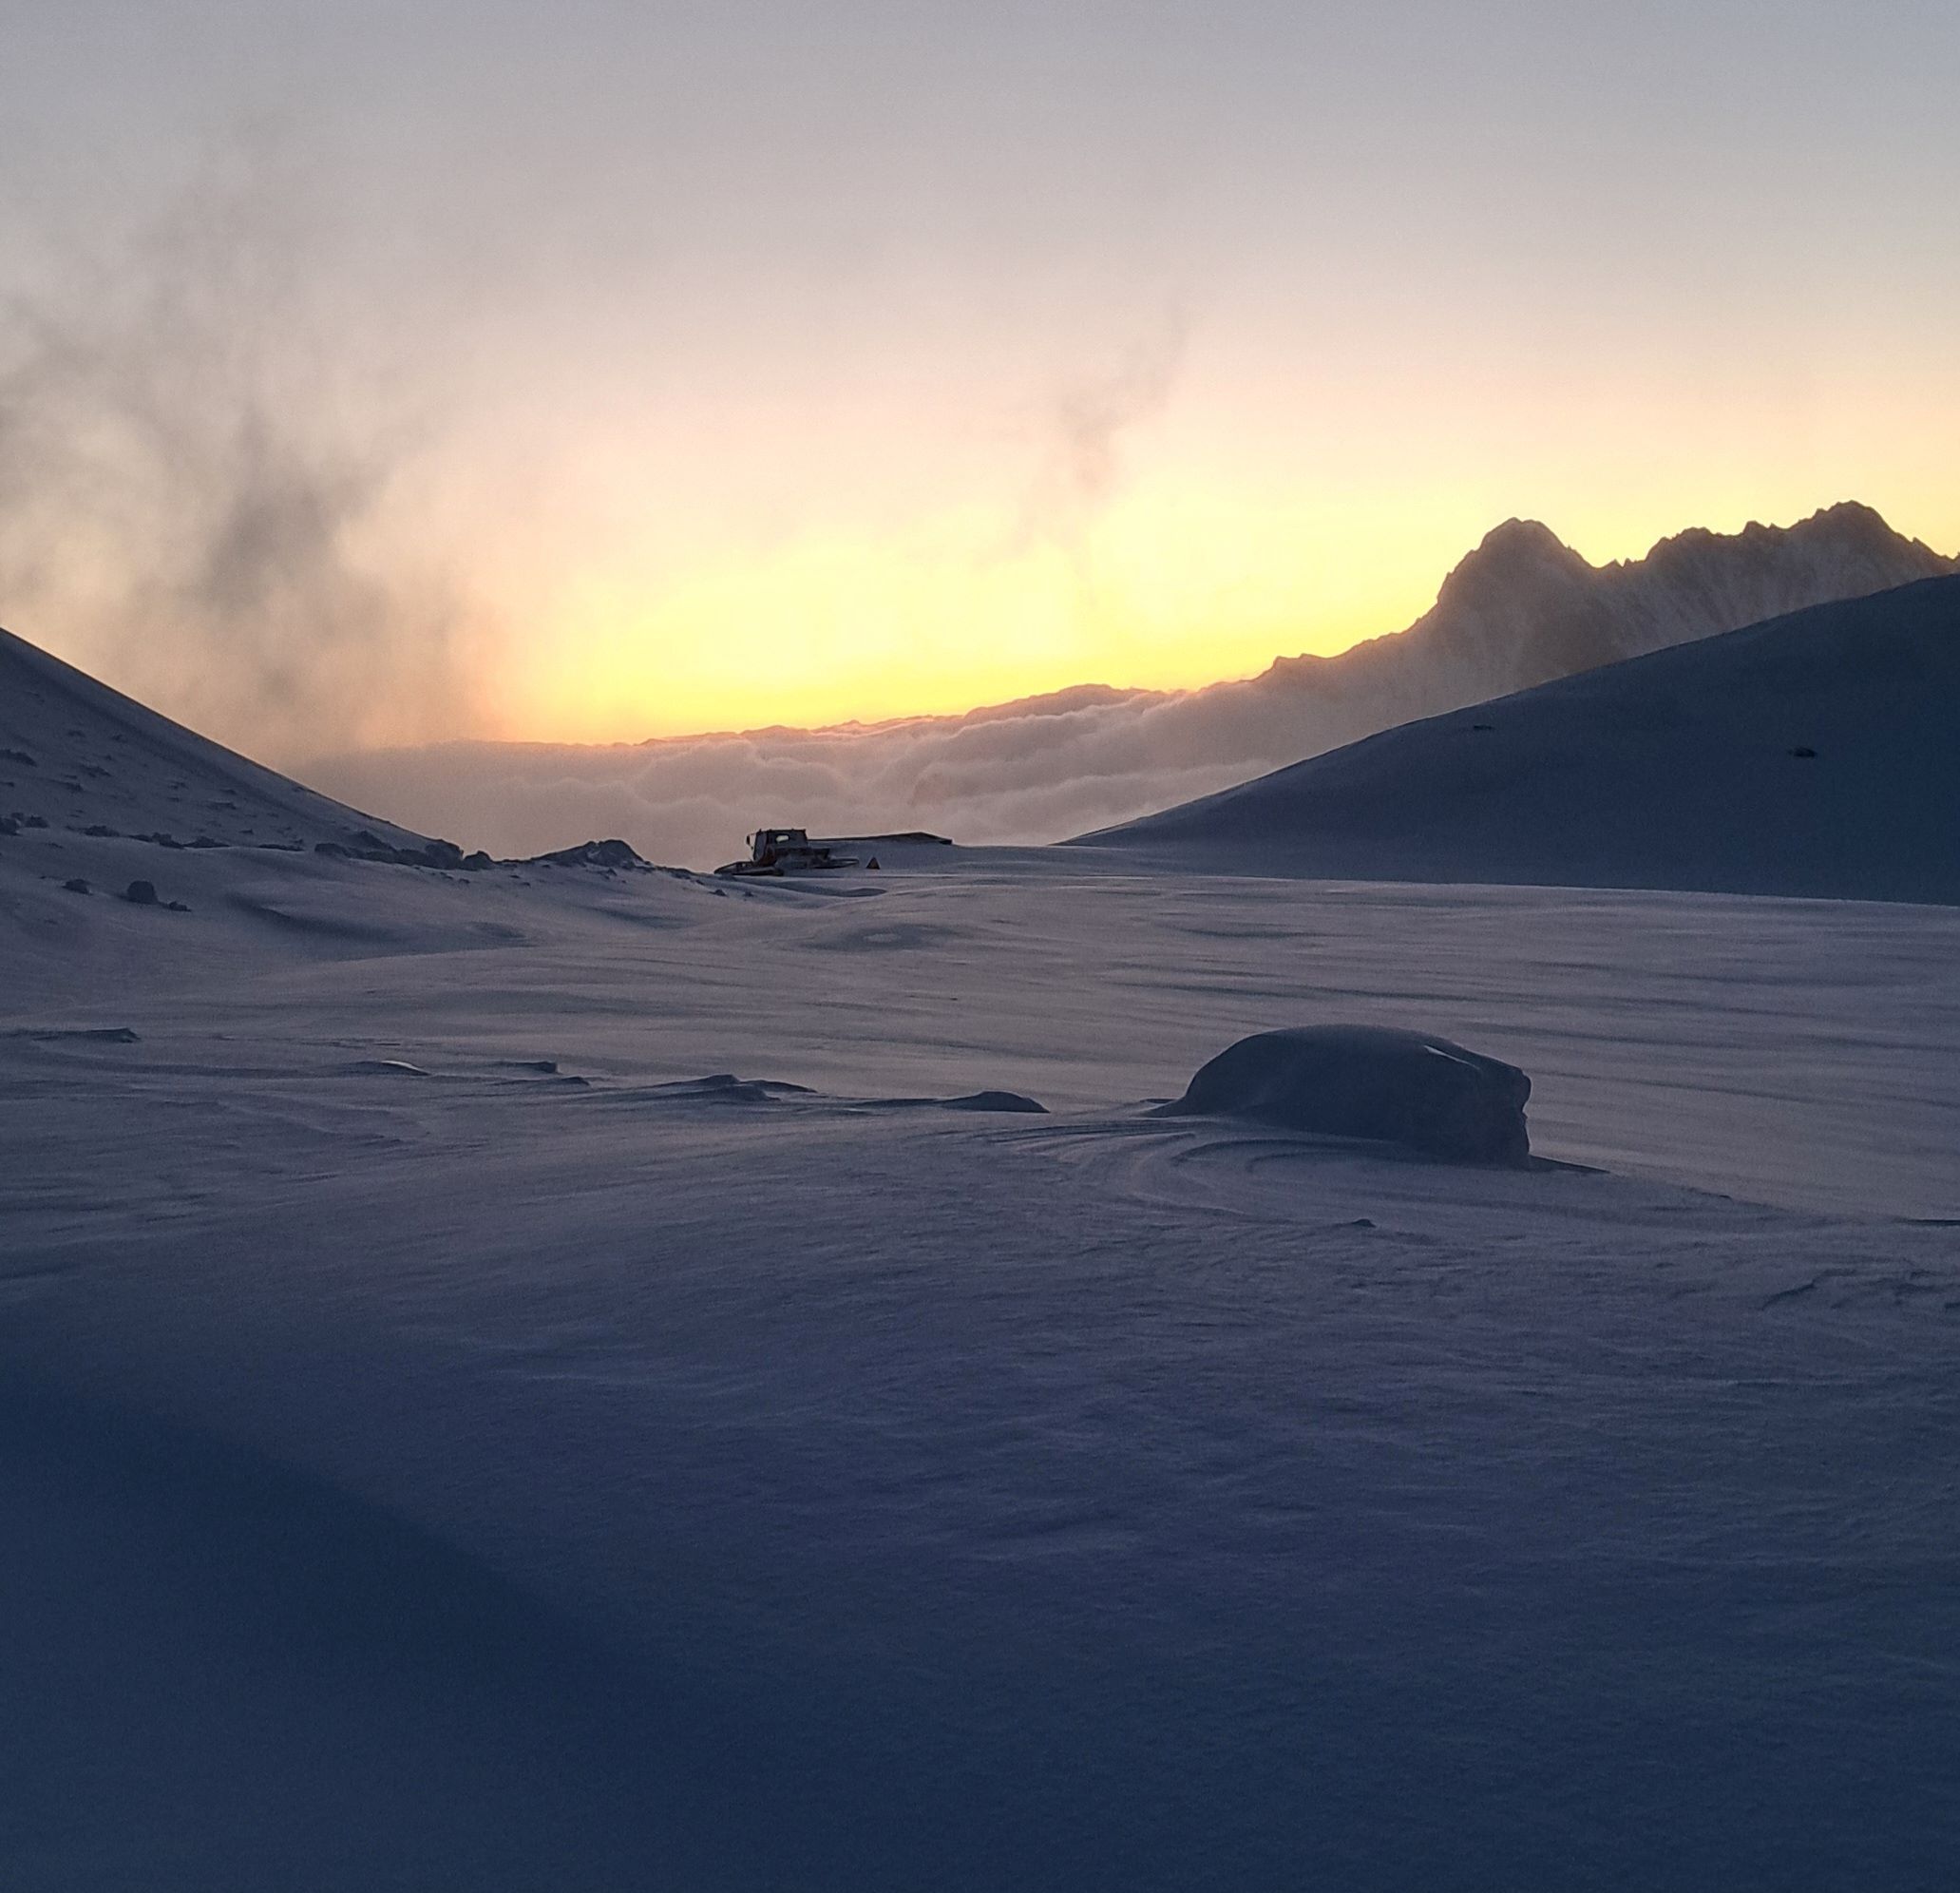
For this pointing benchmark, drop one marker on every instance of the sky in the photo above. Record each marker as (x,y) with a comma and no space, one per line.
(597,370)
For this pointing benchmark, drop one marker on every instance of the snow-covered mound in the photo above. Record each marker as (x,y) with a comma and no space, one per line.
(1519,609)
(1814,754)
(1372,1081)
(455,1433)
(77,755)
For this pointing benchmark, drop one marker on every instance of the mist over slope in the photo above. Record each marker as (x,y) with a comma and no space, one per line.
(1814,754)
(1519,610)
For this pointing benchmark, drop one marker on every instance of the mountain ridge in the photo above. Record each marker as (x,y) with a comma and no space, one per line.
(1567,614)
(1519,609)
(1810,755)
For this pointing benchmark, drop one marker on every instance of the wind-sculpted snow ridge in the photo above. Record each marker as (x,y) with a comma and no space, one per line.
(721,1089)
(1520,609)
(1816,755)
(1371,1082)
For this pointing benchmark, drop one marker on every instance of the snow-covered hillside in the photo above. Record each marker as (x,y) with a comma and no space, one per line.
(76,755)
(545,1377)
(1520,609)
(1814,754)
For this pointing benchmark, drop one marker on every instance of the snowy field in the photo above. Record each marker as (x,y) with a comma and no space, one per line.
(473,1424)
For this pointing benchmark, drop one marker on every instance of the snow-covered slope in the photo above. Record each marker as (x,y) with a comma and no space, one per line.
(1813,754)
(76,755)
(542,1378)
(1518,611)
(451,1436)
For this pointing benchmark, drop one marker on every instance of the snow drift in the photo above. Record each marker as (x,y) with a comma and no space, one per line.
(1814,754)
(1372,1081)
(459,1435)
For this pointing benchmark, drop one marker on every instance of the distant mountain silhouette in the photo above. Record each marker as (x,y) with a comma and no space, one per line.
(1817,754)
(1521,609)
(1525,608)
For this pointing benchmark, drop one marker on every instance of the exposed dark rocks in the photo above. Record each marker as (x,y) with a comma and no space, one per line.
(614,854)
(364,844)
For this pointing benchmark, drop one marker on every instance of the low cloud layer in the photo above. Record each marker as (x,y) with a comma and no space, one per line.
(1521,609)
(1029,772)
(1037,771)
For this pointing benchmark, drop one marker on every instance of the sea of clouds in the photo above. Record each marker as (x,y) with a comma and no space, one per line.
(1029,772)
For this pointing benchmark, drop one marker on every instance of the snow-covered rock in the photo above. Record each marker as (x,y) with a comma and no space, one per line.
(1373,1082)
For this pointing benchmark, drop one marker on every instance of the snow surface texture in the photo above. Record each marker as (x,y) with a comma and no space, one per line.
(1369,1081)
(1520,609)
(76,755)
(1817,754)
(510,1381)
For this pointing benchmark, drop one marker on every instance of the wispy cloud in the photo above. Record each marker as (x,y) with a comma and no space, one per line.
(198,498)
(1080,429)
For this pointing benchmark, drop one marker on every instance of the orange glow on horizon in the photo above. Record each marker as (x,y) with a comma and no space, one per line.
(1163,590)
(830,628)
(905,543)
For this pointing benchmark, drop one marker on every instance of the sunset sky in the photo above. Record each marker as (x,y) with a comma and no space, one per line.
(675,367)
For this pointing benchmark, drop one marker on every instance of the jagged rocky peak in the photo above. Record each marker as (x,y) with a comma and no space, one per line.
(1861,531)
(1851,523)
(1848,532)
(1517,556)
(1851,518)
(1522,538)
